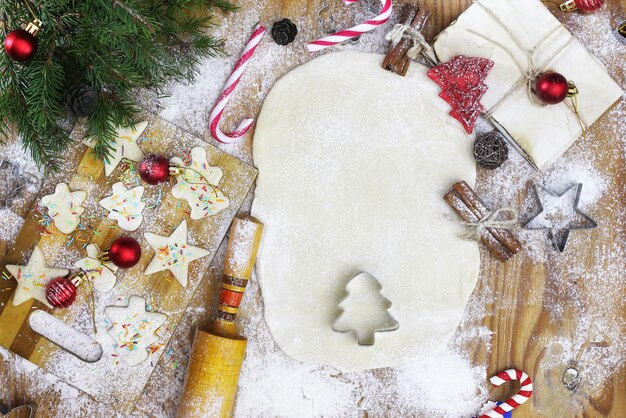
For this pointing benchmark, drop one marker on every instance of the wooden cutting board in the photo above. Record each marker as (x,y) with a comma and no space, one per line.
(109,379)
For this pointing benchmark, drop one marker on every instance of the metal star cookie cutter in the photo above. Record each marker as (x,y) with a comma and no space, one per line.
(377,317)
(561,243)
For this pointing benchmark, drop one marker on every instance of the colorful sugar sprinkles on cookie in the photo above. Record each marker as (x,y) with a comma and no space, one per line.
(173,253)
(125,206)
(101,273)
(65,207)
(134,330)
(197,182)
(33,278)
(124,146)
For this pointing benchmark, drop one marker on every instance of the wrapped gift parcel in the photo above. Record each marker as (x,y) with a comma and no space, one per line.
(524,40)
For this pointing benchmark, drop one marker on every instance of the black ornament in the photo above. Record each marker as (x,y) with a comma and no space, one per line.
(490,150)
(284,32)
(81,100)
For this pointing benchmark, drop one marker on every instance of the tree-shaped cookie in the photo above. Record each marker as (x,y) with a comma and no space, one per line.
(101,274)
(65,207)
(462,85)
(125,206)
(197,182)
(365,310)
(134,329)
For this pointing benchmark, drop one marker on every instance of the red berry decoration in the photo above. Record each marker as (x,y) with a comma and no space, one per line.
(61,292)
(125,252)
(154,169)
(587,6)
(551,88)
(20,44)
(462,85)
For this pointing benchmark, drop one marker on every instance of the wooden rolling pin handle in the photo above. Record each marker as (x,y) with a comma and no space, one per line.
(217,355)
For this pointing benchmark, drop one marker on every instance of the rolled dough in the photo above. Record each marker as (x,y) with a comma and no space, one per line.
(353,163)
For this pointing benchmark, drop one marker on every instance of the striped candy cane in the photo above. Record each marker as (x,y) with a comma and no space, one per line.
(344,35)
(231,83)
(525,392)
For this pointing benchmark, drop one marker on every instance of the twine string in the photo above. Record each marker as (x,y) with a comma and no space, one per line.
(528,72)
(401,31)
(182,172)
(490,220)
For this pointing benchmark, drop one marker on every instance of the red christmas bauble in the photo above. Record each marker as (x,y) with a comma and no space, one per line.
(589,5)
(20,45)
(60,292)
(154,169)
(551,88)
(125,252)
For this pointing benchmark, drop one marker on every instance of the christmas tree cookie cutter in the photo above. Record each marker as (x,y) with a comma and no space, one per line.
(364,310)
(560,236)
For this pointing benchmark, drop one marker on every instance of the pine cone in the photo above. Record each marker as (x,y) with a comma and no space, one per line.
(284,32)
(81,100)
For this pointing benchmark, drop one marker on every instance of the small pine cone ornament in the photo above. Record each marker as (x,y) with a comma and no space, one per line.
(81,100)
(284,32)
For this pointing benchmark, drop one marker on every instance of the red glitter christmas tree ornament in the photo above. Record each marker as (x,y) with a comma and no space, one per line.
(462,85)
(587,6)
(61,292)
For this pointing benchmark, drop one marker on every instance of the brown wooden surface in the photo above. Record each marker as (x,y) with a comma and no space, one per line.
(522,325)
(160,289)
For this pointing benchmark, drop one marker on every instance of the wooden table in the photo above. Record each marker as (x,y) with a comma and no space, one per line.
(524,328)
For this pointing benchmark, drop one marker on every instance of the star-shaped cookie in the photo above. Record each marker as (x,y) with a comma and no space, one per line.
(124,146)
(173,253)
(33,278)
(197,183)
(125,206)
(102,275)
(134,329)
(65,207)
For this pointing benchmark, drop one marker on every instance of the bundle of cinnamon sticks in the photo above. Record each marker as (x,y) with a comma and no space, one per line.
(396,59)
(470,207)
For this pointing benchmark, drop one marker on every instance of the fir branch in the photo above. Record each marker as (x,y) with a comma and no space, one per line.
(45,83)
(115,46)
(133,13)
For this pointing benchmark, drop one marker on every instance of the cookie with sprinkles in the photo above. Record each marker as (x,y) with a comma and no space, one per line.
(197,182)
(33,278)
(173,253)
(102,275)
(134,330)
(65,207)
(124,146)
(125,206)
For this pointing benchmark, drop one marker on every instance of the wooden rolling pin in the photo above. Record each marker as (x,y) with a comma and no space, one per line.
(217,354)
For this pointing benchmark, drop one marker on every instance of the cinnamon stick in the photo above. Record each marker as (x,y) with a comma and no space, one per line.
(496,248)
(480,209)
(396,59)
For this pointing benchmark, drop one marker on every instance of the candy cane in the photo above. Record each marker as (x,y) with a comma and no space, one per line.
(524,393)
(231,83)
(344,35)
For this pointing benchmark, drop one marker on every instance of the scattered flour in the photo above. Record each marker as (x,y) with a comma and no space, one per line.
(274,385)
(10,224)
